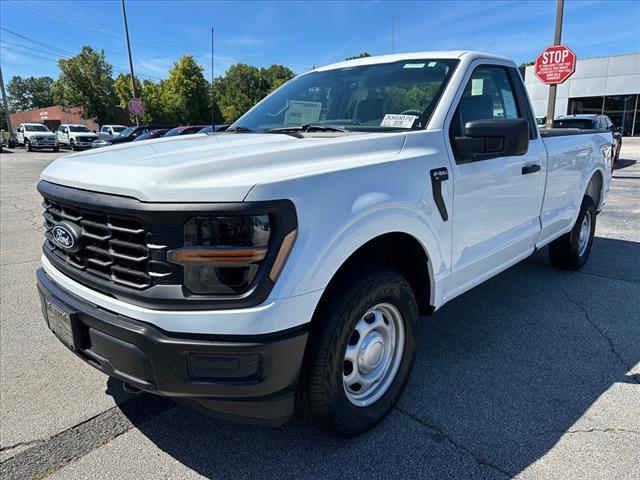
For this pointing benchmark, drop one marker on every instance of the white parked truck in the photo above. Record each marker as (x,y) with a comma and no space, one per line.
(288,260)
(76,137)
(36,136)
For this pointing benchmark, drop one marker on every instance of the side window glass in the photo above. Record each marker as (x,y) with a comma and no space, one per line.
(488,95)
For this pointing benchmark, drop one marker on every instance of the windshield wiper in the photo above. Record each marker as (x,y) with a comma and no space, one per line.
(308,128)
(240,129)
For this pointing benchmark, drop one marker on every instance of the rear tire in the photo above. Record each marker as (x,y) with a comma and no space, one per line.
(571,251)
(375,316)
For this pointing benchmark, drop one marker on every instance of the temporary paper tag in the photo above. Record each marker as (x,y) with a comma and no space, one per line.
(398,121)
(413,65)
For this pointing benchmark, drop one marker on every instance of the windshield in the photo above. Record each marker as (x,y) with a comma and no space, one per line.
(78,128)
(118,129)
(36,128)
(581,123)
(127,131)
(174,132)
(381,97)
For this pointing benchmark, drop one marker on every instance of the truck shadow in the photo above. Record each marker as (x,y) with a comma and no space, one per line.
(501,374)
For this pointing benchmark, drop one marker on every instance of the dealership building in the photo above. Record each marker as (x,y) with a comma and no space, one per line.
(603,85)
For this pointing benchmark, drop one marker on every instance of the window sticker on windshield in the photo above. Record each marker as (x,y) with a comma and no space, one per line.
(302,113)
(432,64)
(398,121)
(413,65)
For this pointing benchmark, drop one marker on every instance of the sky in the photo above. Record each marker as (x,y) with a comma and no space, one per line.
(299,35)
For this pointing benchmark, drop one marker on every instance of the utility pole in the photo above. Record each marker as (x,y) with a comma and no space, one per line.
(557,38)
(213,98)
(6,109)
(133,78)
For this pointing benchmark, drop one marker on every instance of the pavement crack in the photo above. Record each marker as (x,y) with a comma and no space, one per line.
(440,434)
(45,456)
(28,443)
(602,333)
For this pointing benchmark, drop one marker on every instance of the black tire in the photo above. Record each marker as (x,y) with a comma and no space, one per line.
(72,145)
(325,396)
(565,252)
(27,146)
(55,149)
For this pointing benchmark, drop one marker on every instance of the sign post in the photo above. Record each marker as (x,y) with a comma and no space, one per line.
(557,38)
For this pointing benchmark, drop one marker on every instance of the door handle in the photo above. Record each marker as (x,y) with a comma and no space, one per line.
(527,169)
(439,175)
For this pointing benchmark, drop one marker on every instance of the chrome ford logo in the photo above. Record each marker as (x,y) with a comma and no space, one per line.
(65,237)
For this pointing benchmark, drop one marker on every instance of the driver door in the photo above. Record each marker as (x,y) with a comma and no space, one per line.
(497,199)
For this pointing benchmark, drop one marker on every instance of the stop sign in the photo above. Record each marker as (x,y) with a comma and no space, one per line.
(136,106)
(555,64)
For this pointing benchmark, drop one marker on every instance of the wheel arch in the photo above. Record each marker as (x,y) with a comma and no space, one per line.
(399,251)
(595,188)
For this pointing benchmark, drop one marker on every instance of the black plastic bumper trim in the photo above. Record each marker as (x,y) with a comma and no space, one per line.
(149,359)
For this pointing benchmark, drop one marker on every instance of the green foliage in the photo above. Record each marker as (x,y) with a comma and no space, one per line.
(122,86)
(244,85)
(360,55)
(185,94)
(30,93)
(86,81)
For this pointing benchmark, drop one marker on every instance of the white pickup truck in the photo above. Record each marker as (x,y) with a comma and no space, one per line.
(76,137)
(35,136)
(287,261)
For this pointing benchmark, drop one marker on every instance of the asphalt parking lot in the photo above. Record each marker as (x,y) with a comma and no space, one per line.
(534,374)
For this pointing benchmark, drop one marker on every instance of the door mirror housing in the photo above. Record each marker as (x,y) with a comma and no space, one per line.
(491,138)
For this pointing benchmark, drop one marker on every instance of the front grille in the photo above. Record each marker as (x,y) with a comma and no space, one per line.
(43,139)
(113,248)
(86,139)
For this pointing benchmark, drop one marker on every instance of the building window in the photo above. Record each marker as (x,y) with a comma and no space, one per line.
(623,110)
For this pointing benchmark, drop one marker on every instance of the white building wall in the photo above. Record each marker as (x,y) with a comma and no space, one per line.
(619,75)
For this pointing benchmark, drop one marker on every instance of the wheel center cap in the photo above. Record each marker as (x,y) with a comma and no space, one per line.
(371,352)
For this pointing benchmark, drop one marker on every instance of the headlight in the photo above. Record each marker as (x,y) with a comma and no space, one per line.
(222,255)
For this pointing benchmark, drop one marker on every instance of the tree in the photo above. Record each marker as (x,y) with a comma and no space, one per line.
(86,81)
(29,93)
(244,85)
(122,86)
(275,75)
(185,94)
(360,55)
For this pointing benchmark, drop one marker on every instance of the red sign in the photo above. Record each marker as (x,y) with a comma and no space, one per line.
(136,106)
(555,64)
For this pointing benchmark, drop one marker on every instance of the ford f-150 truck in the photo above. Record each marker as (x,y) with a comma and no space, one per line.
(287,261)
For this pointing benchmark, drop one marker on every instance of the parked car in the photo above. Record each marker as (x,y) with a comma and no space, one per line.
(36,136)
(108,131)
(184,130)
(131,133)
(289,259)
(75,136)
(592,121)
(151,134)
(214,128)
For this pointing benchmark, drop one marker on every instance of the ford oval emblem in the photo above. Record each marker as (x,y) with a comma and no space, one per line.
(65,237)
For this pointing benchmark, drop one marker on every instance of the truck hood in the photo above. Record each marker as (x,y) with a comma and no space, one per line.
(215,168)
(39,134)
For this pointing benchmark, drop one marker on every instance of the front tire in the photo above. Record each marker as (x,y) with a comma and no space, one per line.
(27,146)
(72,145)
(361,352)
(571,251)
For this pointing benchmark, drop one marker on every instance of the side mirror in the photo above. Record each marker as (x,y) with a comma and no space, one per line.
(500,137)
(619,130)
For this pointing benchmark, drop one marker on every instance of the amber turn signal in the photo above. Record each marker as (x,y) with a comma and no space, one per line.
(218,255)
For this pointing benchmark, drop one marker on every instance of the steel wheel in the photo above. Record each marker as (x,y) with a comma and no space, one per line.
(373,354)
(585,233)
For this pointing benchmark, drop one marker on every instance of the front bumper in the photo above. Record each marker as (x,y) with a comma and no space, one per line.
(247,378)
